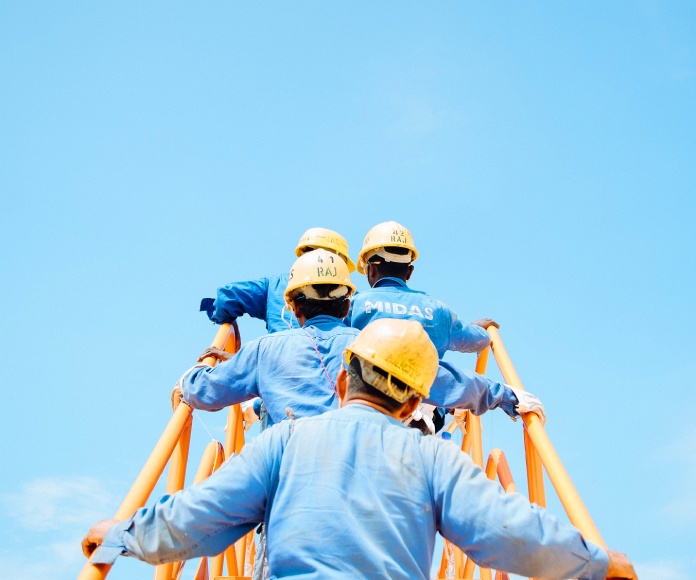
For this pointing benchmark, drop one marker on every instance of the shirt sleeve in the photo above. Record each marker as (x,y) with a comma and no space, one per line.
(204,519)
(466,337)
(464,389)
(227,383)
(239,298)
(503,530)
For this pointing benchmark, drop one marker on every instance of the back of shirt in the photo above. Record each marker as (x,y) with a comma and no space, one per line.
(340,510)
(392,298)
(355,494)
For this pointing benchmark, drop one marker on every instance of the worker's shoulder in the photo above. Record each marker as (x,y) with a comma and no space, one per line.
(327,327)
(370,293)
(279,279)
(356,414)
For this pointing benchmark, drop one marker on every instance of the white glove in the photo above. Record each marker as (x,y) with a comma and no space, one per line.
(419,415)
(528,403)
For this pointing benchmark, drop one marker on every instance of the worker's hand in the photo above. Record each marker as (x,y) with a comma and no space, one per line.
(177,397)
(249,418)
(620,567)
(216,353)
(528,403)
(485,323)
(95,536)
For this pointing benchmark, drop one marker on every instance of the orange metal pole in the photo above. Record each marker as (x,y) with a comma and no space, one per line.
(472,441)
(216,563)
(497,465)
(212,459)
(474,422)
(570,498)
(175,482)
(146,481)
(213,456)
(535,474)
(155,464)
(177,466)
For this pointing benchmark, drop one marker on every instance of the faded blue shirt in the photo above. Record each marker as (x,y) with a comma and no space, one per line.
(355,494)
(263,299)
(293,368)
(392,298)
(298,369)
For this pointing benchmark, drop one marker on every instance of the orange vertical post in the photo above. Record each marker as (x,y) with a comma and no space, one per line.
(175,482)
(497,465)
(535,474)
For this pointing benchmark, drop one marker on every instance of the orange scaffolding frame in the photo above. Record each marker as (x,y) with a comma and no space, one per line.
(173,447)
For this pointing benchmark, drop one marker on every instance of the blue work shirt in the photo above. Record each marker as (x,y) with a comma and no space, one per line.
(355,494)
(298,369)
(392,298)
(293,368)
(263,299)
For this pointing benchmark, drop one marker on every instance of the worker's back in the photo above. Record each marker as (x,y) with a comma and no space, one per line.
(392,298)
(355,494)
(352,500)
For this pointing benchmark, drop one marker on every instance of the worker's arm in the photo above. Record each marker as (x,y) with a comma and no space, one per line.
(239,298)
(467,337)
(228,383)
(504,531)
(202,520)
(464,389)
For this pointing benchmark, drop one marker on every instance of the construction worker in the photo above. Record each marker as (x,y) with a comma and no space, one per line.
(263,298)
(297,368)
(386,259)
(294,368)
(354,494)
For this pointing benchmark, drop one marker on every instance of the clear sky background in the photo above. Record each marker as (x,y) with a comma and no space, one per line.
(542,154)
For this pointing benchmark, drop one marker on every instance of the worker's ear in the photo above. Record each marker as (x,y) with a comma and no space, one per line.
(409,407)
(342,385)
(296,309)
(371,274)
(346,308)
(409,272)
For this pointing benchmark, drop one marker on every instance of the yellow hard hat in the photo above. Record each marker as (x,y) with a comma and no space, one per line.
(315,238)
(387,235)
(403,350)
(319,267)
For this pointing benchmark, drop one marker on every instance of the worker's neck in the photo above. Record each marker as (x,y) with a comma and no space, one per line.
(359,401)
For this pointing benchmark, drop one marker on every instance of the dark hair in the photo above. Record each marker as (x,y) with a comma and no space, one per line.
(357,386)
(391,269)
(309,307)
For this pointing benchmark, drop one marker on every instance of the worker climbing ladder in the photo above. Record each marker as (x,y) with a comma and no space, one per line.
(173,448)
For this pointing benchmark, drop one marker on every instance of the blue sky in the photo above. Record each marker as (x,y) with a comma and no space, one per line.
(542,156)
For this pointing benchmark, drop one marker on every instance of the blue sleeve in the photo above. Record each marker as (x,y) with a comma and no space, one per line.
(503,530)
(464,389)
(206,518)
(466,337)
(227,383)
(241,298)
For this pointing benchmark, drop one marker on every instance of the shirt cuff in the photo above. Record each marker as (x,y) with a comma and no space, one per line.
(599,564)
(112,545)
(509,402)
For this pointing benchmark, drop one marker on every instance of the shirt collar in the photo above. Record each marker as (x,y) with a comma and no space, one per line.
(387,282)
(324,322)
